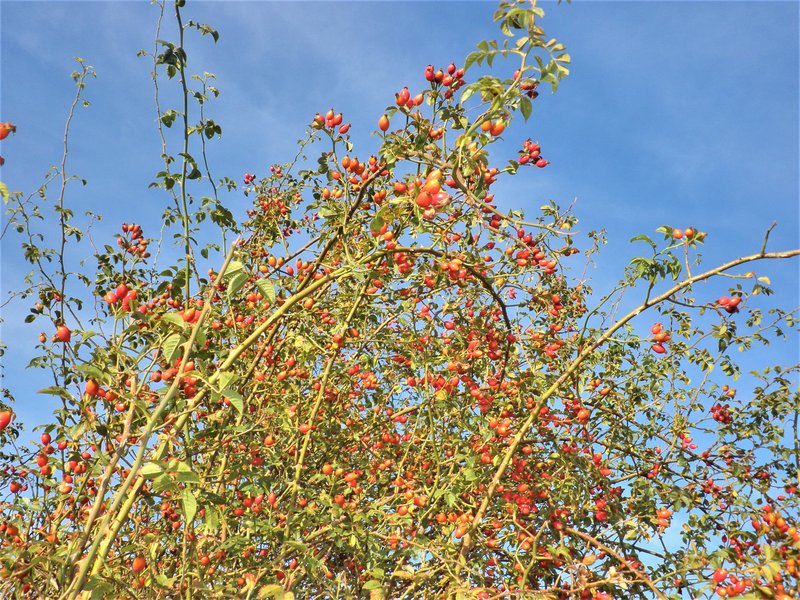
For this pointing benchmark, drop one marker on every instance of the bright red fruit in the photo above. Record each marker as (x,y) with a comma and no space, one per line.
(63,334)
(5,418)
(6,128)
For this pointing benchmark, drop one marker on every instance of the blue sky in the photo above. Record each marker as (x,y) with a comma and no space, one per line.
(679,113)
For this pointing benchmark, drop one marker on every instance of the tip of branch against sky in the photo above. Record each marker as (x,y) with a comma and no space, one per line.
(683,114)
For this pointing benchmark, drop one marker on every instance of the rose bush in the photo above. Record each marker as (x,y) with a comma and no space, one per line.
(393,387)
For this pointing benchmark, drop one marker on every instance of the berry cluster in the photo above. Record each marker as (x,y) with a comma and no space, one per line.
(721,414)
(330,120)
(133,240)
(660,337)
(532,154)
(453,79)
(731,305)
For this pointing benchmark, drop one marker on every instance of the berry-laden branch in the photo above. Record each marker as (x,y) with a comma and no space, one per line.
(573,366)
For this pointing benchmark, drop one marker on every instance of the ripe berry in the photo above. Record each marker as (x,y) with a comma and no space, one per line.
(5,418)
(5,129)
(63,334)
(138,564)
(719,575)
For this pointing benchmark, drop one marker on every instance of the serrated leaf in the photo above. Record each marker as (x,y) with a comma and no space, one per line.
(234,268)
(372,584)
(164,482)
(525,107)
(226,378)
(91,371)
(189,505)
(163,580)
(210,518)
(643,238)
(272,590)
(235,398)
(54,390)
(267,288)
(170,347)
(376,223)
(151,470)
(236,283)
(174,319)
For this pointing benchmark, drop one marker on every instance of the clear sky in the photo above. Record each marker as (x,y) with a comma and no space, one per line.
(678,113)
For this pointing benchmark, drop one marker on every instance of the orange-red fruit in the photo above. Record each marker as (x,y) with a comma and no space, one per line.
(5,418)
(6,128)
(659,349)
(383,123)
(92,387)
(63,334)
(497,128)
(677,234)
(138,564)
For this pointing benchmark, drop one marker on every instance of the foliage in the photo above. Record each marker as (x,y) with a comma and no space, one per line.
(391,387)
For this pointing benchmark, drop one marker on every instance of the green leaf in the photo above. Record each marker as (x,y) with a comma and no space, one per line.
(267,289)
(174,319)
(151,470)
(376,223)
(643,238)
(211,518)
(272,590)
(233,268)
(168,117)
(170,347)
(163,580)
(189,505)
(525,107)
(226,378)
(187,477)
(91,371)
(54,390)
(235,398)
(236,283)
(471,59)
(372,584)
(4,192)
